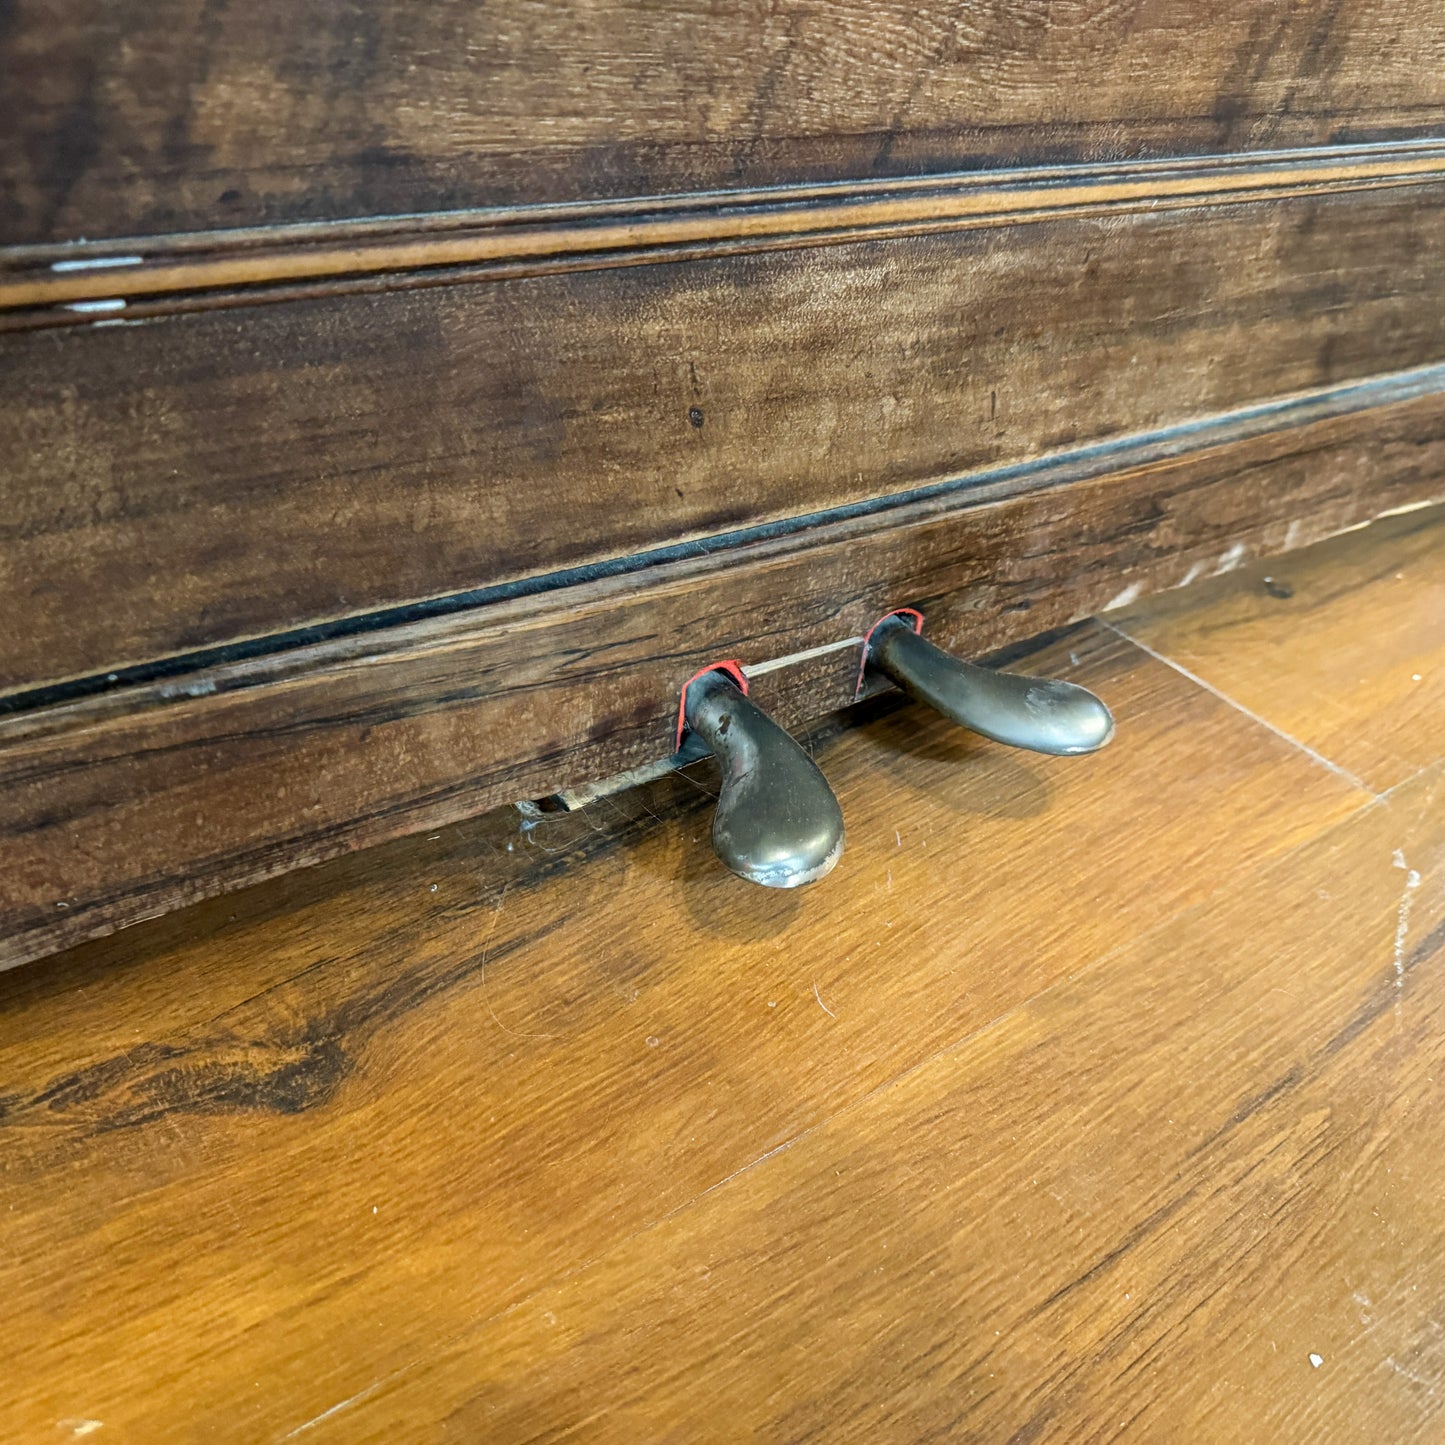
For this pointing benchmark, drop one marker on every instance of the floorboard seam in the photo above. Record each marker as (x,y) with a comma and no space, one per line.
(1239,707)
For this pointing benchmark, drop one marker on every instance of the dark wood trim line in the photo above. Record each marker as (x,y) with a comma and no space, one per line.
(258,660)
(119,807)
(118,280)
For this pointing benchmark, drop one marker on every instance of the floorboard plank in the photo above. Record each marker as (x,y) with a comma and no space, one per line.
(260,1155)
(1193,1193)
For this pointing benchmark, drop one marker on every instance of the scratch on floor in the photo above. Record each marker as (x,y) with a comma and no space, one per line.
(1238,706)
(821,1004)
(334,1410)
(1410,1375)
(1402,916)
(482,972)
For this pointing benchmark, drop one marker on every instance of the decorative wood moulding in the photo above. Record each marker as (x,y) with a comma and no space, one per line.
(226,476)
(125,803)
(132,278)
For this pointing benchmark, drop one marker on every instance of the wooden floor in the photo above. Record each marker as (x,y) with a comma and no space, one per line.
(1089,1099)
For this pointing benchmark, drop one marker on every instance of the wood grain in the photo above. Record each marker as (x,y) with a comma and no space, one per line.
(224,475)
(1339,646)
(180,115)
(1183,1196)
(130,802)
(278,1147)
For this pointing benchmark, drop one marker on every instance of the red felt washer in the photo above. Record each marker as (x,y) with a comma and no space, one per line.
(868,637)
(733,669)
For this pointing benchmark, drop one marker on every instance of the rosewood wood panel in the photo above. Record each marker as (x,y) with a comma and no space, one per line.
(133,801)
(207,477)
(150,115)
